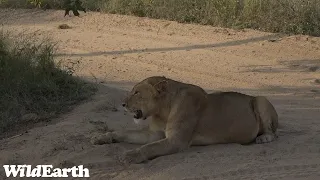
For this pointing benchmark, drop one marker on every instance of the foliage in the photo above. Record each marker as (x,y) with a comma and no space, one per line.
(287,16)
(32,83)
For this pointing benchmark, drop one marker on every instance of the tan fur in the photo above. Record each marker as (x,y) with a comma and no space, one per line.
(184,114)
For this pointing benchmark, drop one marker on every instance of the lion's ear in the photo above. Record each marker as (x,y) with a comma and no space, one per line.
(161,86)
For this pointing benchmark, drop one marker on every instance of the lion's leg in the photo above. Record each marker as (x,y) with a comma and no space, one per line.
(179,130)
(268,118)
(66,12)
(129,136)
(266,138)
(162,147)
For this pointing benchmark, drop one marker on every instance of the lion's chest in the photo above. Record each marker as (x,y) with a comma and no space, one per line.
(156,124)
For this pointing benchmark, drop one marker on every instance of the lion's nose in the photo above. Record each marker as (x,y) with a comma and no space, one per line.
(124,104)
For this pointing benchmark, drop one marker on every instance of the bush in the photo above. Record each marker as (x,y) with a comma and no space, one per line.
(31,83)
(287,16)
(56,4)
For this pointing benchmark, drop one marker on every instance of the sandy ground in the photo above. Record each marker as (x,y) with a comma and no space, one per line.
(118,51)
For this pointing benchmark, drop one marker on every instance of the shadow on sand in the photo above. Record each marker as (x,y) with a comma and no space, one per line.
(183,48)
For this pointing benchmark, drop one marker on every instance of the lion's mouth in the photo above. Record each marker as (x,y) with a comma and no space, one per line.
(138,114)
(138,117)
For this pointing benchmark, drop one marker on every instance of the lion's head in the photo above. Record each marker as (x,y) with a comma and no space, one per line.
(144,98)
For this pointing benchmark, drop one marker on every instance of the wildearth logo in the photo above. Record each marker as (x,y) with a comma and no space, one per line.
(45,171)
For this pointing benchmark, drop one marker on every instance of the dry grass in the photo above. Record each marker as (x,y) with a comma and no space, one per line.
(31,83)
(286,16)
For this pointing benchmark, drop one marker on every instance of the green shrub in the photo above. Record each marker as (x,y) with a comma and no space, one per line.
(32,83)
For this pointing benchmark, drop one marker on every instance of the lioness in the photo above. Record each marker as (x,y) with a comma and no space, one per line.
(184,114)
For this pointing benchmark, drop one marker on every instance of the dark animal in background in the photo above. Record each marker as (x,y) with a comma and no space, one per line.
(74,6)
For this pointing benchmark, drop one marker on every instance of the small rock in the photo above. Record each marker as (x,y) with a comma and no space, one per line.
(317,81)
(30,117)
(313,68)
(272,40)
(114,109)
(64,26)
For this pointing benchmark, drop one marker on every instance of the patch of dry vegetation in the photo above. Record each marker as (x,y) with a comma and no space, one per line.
(33,87)
(286,16)
(299,16)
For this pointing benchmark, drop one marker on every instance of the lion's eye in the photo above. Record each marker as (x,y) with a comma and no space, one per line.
(135,93)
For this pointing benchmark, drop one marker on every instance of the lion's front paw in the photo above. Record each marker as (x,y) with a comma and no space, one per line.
(102,139)
(265,138)
(134,156)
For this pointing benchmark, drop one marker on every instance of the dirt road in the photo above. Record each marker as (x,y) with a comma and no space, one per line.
(118,51)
